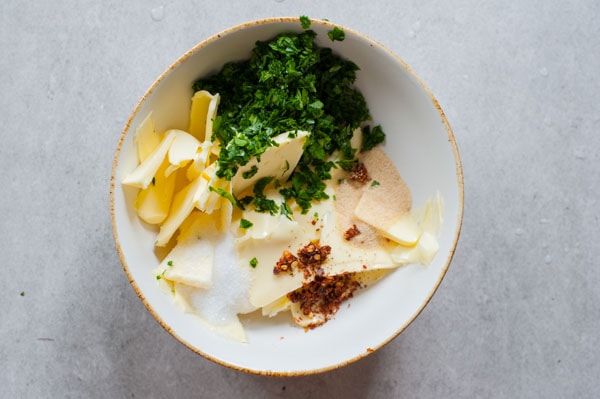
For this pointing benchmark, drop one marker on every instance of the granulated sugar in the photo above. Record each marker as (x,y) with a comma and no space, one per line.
(228,295)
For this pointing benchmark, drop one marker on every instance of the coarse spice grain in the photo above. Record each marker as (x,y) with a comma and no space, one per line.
(286,264)
(359,173)
(351,232)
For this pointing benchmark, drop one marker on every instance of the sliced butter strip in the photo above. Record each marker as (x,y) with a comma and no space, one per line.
(191,261)
(202,113)
(405,231)
(210,118)
(183,204)
(146,138)
(153,202)
(142,176)
(428,245)
(182,150)
(206,199)
(226,212)
(200,160)
(278,161)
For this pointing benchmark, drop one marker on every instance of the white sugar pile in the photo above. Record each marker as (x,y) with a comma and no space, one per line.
(228,295)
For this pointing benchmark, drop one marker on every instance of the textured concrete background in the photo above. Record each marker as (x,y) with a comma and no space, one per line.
(518,314)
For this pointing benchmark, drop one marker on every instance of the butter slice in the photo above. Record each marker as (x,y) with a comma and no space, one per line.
(202,114)
(182,150)
(191,261)
(153,202)
(405,231)
(142,176)
(278,161)
(146,137)
(183,204)
(430,219)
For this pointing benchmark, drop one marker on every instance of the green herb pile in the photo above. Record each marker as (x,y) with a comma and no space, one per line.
(289,84)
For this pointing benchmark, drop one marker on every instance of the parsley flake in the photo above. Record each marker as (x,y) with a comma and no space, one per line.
(251,172)
(304,22)
(253,262)
(261,203)
(375,183)
(170,263)
(372,137)
(336,34)
(228,196)
(245,224)
(285,210)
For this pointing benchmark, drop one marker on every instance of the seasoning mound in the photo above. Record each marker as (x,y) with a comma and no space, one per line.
(320,299)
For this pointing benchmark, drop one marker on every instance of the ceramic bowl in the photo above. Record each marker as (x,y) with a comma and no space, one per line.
(419,141)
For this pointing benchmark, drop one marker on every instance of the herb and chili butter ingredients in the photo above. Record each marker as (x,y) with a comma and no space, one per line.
(289,84)
(233,191)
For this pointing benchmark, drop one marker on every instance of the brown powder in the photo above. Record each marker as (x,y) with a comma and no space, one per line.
(378,204)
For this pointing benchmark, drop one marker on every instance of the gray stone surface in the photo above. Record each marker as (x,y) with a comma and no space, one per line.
(518,314)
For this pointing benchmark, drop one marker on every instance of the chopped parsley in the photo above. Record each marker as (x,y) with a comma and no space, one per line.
(261,202)
(170,263)
(375,183)
(158,277)
(22,293)
(336,34)
(285,210)
(249,173)
(305,22)
(227,195)
(372,137)
(245,224)
(253,262)
(288,84)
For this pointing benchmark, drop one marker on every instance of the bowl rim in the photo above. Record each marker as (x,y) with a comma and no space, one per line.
(183,58)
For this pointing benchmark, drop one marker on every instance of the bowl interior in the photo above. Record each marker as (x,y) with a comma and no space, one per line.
(420,143)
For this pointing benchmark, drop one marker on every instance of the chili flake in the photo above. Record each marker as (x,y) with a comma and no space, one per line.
(287,263)
(351,232)
(323,296)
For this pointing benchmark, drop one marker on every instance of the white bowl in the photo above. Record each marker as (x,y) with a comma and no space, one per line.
(419,141)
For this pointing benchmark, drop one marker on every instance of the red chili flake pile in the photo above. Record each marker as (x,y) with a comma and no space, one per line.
(286,264)
(309,260)
(359,173)
(323,296)
(351,232)
(311,257)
